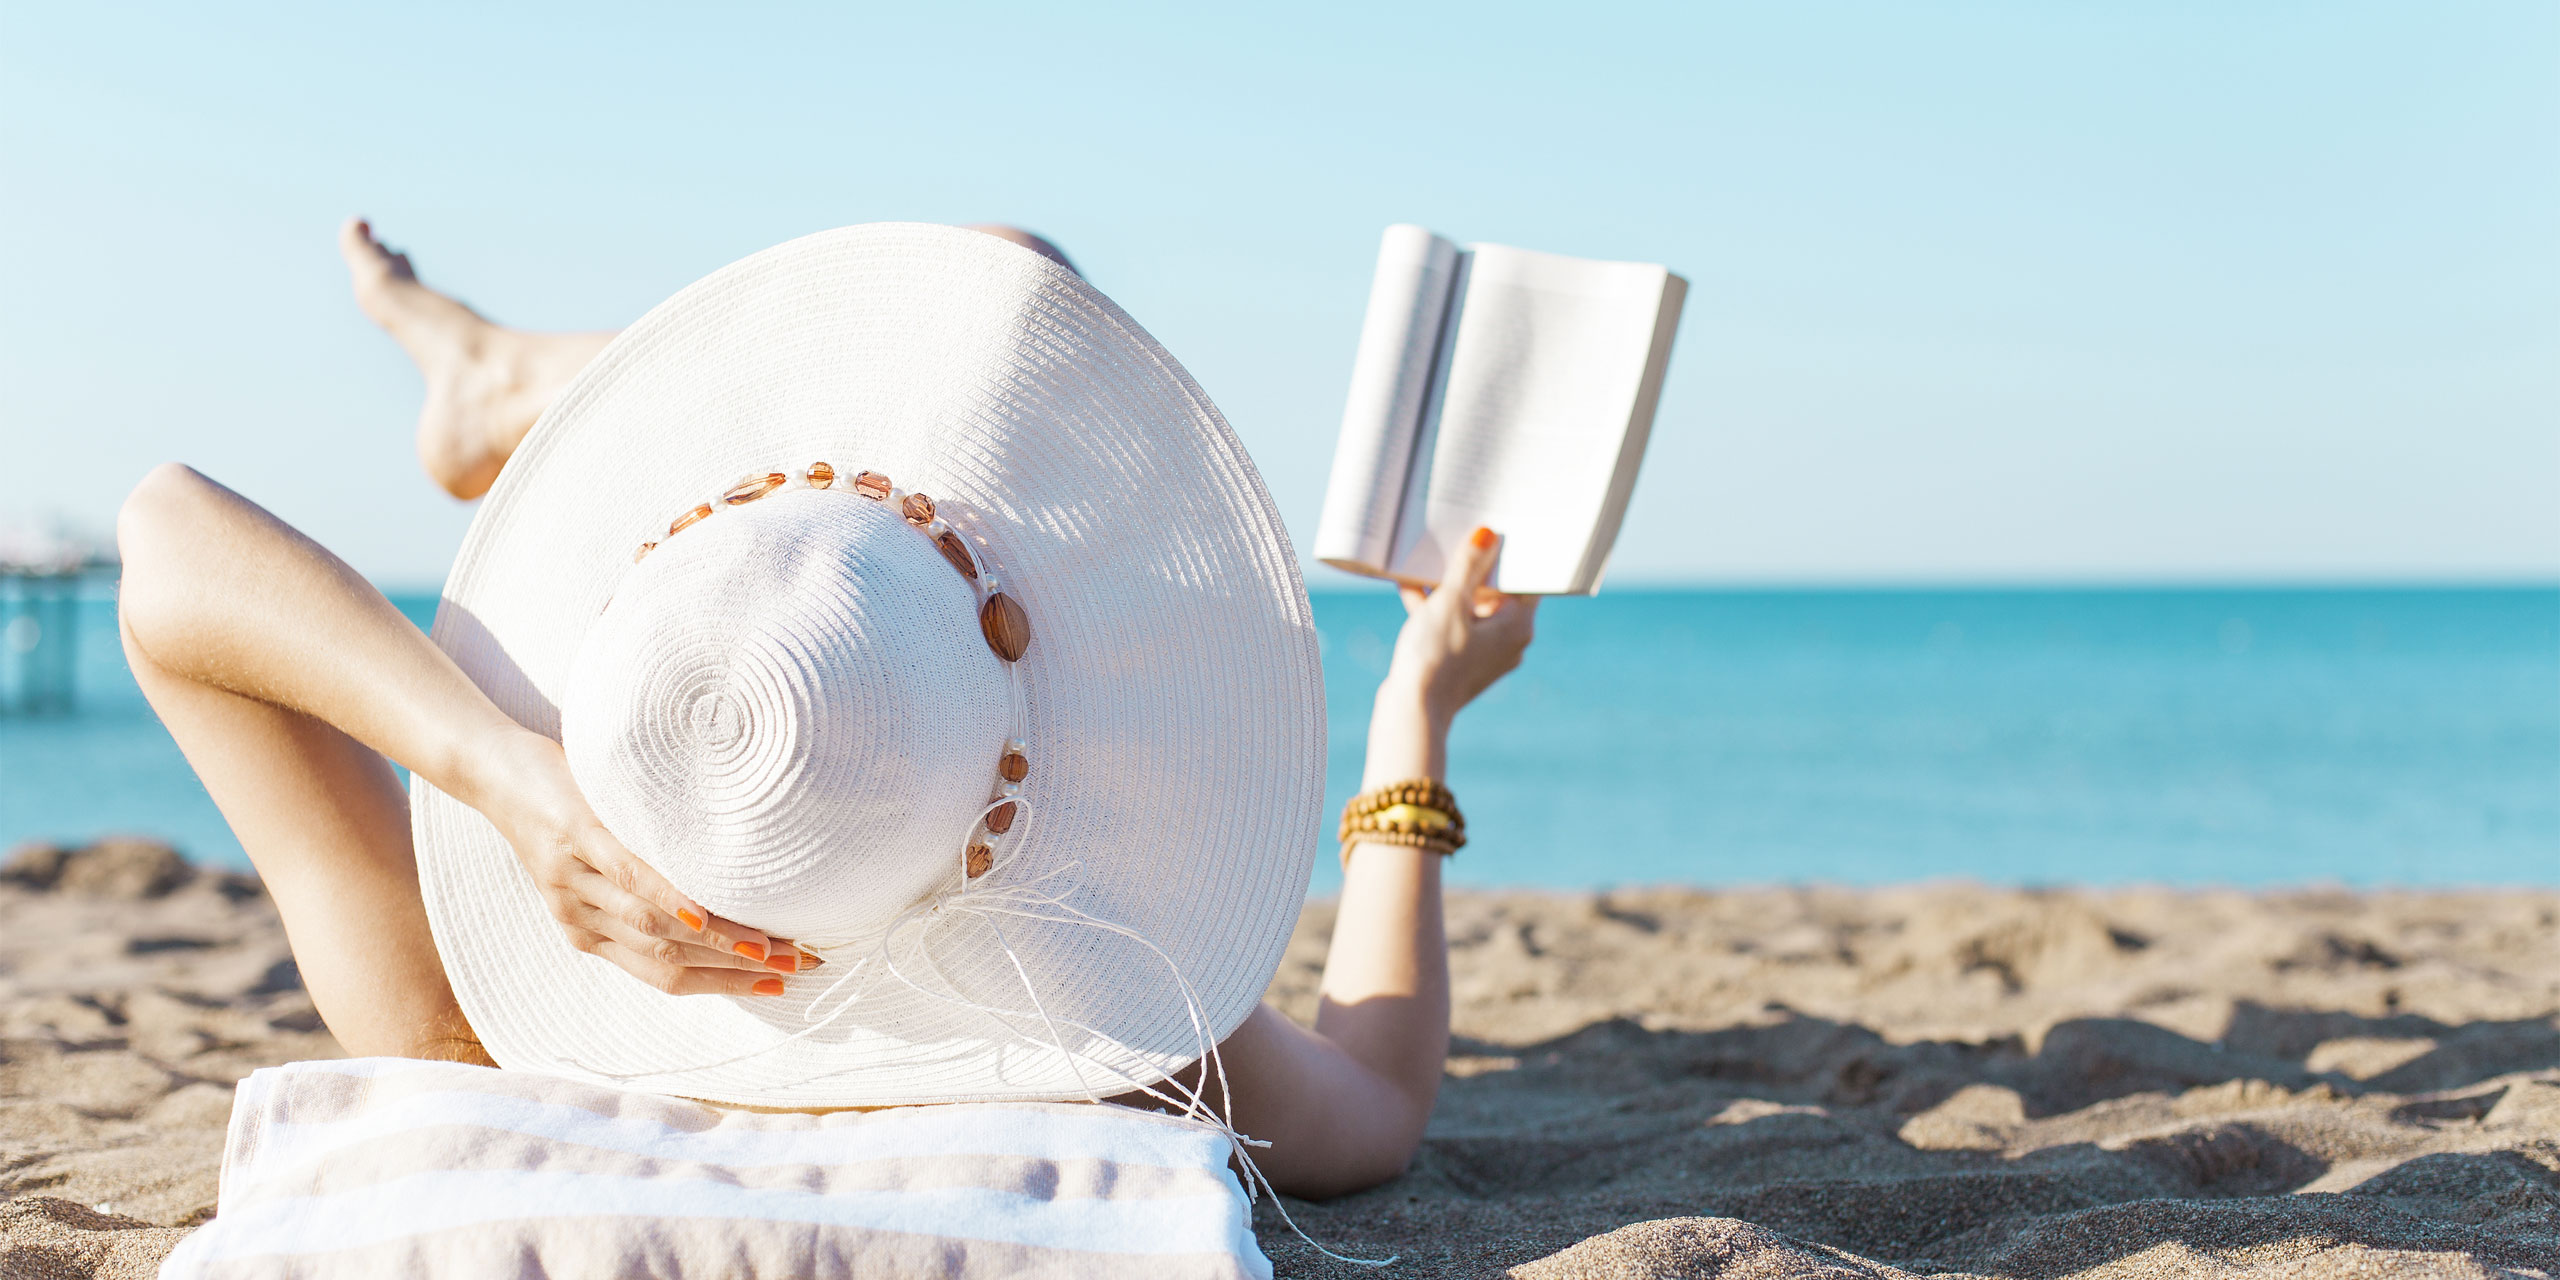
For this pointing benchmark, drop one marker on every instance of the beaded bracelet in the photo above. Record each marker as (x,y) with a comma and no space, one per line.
(1427,792)
(1000,618)
(1419,814)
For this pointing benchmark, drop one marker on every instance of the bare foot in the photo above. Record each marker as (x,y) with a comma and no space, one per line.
(485,384)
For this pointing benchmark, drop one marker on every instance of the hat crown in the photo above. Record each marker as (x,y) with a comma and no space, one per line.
(789,711)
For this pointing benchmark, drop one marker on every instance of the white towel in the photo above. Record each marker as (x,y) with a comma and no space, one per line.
(393,1167)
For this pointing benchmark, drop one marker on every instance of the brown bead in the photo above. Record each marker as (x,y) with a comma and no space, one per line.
(1015,766)
(686,521)
(1000,818)
(1007,627)
(980,858)
(873,485)
(751,490)
(918,510)
(643,552)
(821,475)
(957,552)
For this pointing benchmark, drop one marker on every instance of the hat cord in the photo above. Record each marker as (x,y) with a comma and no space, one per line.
(986,903)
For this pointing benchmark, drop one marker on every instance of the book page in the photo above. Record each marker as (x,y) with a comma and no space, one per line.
(1390,377)
(1622,484)
(1547,364)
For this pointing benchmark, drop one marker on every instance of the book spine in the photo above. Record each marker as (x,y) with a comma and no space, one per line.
(1390,375)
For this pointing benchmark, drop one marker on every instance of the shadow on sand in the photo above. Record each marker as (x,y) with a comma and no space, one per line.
(2106,1138)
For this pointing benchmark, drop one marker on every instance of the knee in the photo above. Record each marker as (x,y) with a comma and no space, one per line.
(159,520)
(158,510)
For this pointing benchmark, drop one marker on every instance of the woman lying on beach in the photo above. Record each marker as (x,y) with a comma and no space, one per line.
(292,685)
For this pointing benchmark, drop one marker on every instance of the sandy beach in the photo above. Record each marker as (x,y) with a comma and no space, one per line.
(1933,1080)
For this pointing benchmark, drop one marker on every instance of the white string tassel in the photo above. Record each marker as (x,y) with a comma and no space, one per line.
(985,902)
(1193,1103)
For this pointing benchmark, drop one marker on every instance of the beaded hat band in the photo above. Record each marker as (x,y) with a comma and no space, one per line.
(1001,619)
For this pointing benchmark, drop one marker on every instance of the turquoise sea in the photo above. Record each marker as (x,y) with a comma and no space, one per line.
(2246,737)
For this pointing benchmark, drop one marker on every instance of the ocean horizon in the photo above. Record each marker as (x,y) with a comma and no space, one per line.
(2249,736)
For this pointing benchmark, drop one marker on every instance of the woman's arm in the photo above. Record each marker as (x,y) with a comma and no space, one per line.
(218,592)
(1344,1105)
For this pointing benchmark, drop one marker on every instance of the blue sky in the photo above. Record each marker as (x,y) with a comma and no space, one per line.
(1980,291)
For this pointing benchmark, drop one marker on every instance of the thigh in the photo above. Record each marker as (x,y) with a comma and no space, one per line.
(327,825)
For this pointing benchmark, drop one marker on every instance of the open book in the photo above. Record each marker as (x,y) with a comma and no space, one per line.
(1499,387)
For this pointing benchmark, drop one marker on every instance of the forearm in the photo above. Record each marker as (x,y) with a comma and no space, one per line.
(218,591)
(1386,981)
(1345,1105)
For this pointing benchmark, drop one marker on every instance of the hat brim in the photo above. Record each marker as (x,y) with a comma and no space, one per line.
(1174,694)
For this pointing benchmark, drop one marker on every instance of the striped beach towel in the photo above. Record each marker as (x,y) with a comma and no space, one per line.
(393,1167)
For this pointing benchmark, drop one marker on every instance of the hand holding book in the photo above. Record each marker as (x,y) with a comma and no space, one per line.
(1461,636)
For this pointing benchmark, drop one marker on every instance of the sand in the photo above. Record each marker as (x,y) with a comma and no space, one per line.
(1935,1080)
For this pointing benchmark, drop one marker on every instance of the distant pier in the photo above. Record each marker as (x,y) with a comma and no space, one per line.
(40,577)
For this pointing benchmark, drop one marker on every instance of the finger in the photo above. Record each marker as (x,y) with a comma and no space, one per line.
(1490,602)
(782,955)
(687,952)
(599,928)
(1414,598)
(752,944)
(701,956)
(638,879)
(682,980)
(591,926)
(633,915)
(604,927)
(630,919)
(1472,564)
(1503,632)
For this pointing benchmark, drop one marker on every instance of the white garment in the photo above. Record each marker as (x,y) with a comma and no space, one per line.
(388,1166)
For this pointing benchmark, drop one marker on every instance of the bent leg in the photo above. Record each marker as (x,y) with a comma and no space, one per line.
(322,817)
(487,383)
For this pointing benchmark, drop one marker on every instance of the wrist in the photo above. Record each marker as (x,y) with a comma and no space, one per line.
(482,767)
(1406,697)
(1407,737)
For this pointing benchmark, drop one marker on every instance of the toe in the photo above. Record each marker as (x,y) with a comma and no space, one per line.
(368,257)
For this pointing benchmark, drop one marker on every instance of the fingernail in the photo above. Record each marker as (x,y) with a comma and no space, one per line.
(1483,538)
(768,986)
(783,963)
(692,919)
(749,950)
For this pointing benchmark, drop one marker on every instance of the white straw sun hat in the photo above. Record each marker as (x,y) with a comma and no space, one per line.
(798,709)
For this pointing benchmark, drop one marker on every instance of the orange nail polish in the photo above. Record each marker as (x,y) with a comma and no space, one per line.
(768,986)
(692,920)
(1483,538)
(749,950)
(783,964)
